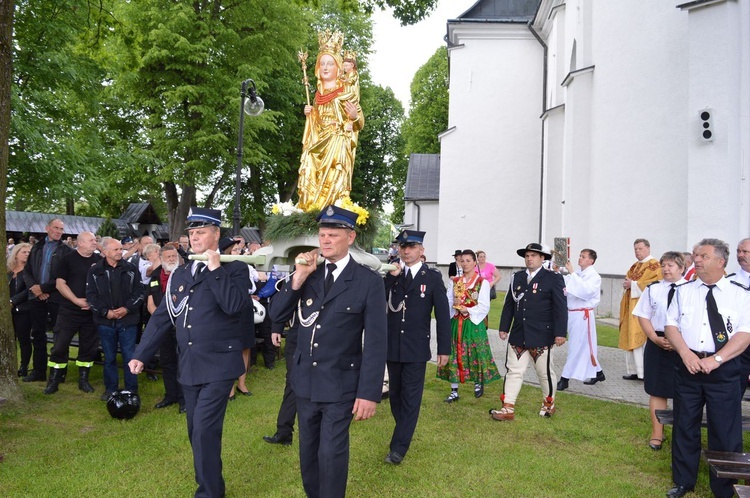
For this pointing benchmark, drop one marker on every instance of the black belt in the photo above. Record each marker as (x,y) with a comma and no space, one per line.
(703,354)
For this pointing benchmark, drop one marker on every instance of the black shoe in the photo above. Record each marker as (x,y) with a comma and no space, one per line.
(233,397)
(478,391)
(678,492)
(655,444)
(278,439)
(151,376)
(105,396)
(23,372)
(630,377)
(394,458)
(164,403)
(599,378)
(35,376)
(244,393)
(182,409)
(562,384)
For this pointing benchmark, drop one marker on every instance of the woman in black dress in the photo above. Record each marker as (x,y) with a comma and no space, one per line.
(19,303)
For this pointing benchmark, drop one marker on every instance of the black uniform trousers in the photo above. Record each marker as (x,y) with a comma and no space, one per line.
(719,392)
(42,313)
(206,405)
(22,329)
(288,408)
(66,327)
(324,462)
(168,360)
(406,385)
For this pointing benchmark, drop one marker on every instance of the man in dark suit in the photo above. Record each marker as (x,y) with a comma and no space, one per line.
(454,267)
(413,291)
(536,314)
(170,260)
(338,368)
(288,408)
(204,302)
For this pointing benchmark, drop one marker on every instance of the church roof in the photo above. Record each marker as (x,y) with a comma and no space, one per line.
(521,11)
(423,178)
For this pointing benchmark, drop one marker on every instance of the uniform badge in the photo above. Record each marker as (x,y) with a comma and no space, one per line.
(518,288)
(729,326)
(309,302)
(182,288)
(721,337)
(174,298)
(329,212)
(422,288)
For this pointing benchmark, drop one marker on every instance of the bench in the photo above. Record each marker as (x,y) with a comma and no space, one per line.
(727,464)
(666,417)
(742,491)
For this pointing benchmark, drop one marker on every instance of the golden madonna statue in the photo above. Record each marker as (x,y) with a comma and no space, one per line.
(332,127)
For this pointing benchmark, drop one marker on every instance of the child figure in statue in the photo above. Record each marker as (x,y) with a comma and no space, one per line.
(332,126)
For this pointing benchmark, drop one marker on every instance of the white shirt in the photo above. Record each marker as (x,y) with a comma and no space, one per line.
(584,288)
(531,274)
(653,303)
(340,265)
(413,269)
(741,277)
(688,312)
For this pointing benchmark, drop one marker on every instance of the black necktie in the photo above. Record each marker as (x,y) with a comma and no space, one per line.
(408,279)
(199,267)
(671,294)
(329,279)
(715,320)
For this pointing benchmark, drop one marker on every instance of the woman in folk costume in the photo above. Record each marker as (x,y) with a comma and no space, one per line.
(332,126)
(471,357)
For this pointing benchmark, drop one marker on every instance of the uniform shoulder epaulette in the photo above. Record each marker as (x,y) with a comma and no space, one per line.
(740,285)
(369,268)
(652,283)
(432,268)
(686,283)
(732,275)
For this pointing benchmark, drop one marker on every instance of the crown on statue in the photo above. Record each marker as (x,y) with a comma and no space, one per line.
(350,55)
(330,42)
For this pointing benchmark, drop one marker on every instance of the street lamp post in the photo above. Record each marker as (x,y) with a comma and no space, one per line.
(252,107)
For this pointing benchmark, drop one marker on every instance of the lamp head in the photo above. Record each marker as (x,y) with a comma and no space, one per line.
(254,104)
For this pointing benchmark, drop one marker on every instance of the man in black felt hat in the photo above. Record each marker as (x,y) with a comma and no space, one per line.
(335,375)
(534,318)
(454,269)
(204,302)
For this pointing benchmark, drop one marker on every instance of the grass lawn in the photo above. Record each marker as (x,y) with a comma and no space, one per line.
(66,444)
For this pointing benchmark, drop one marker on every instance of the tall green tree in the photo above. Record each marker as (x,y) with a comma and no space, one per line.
(183,65)
(8,360)
(380,148)
(428,115)
(57,143)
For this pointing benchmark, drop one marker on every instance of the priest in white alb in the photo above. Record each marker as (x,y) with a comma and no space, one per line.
(584,292)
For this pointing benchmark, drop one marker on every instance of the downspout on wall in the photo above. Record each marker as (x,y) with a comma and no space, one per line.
(544,109)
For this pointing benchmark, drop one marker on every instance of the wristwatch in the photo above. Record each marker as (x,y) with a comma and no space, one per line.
(718,359)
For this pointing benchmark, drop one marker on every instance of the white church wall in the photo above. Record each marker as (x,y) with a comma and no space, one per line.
(490,162)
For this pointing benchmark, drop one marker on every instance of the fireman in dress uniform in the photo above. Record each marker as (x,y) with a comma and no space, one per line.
(334,375)
(204,303)
(413,291)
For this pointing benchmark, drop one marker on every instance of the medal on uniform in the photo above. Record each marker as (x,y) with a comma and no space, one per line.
(422,288)
(534,288)
(518,288)
(729,326)
(182,288)
(309,302)
(174,298)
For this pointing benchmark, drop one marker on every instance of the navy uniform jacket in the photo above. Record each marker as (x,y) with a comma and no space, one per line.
(409,329)
(330,363)
(541,313)
(209,331)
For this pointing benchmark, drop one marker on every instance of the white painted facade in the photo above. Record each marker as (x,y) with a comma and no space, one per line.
(423,215)
(613,151)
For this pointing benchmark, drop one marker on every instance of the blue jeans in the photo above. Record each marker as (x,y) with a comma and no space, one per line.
(110,337)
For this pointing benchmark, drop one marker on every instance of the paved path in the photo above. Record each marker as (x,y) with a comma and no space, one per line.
(611,359)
